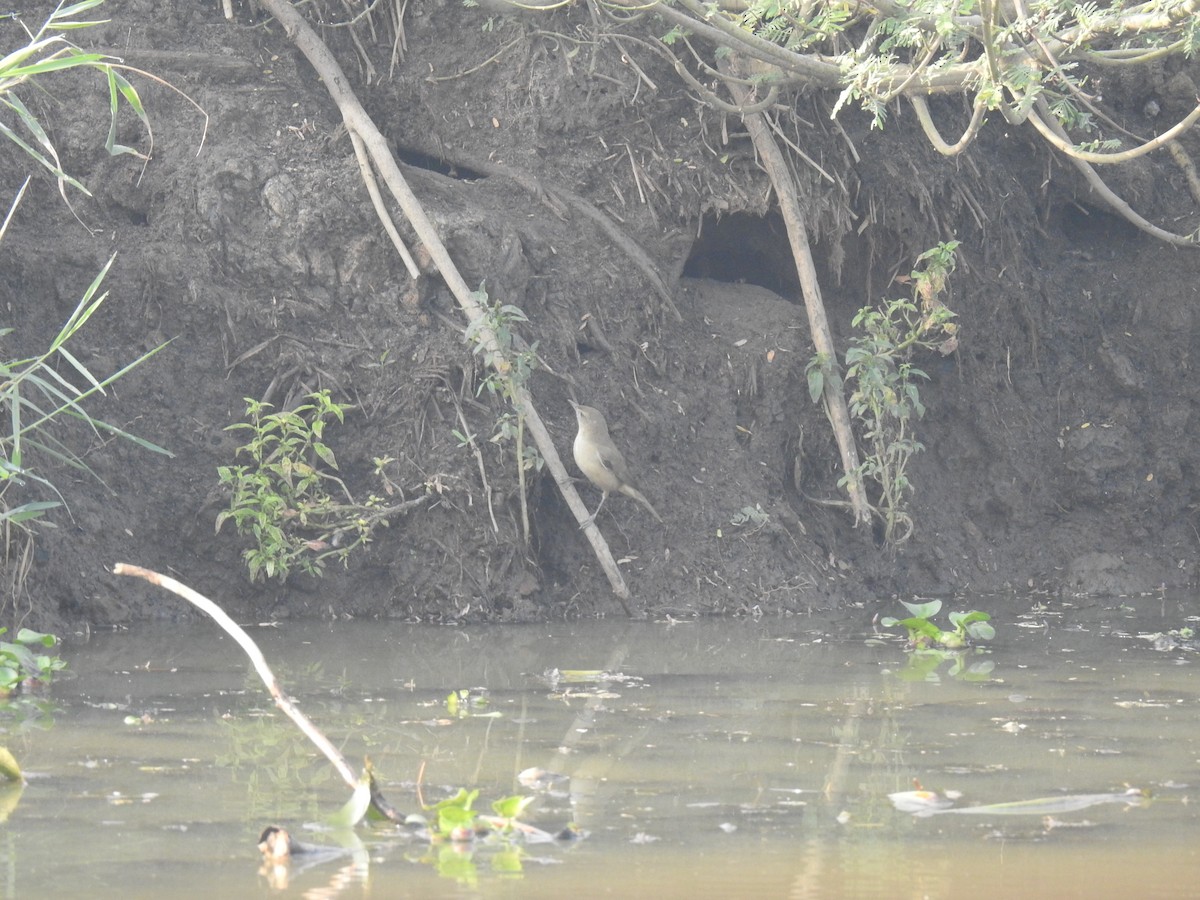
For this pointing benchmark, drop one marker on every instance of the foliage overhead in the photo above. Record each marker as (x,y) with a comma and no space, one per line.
(1031,61)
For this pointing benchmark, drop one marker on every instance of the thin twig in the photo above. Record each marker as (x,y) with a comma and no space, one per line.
(636,254)
(368,177)
(487,490)
(491,59)
(795,149)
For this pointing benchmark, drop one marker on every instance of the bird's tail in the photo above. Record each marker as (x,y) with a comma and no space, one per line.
(637,495)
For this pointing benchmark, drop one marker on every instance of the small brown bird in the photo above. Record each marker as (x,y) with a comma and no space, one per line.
(599,459)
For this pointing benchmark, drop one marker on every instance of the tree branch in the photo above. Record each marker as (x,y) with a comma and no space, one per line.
(1059,138)
(822,337)
(235,631)
(358,121)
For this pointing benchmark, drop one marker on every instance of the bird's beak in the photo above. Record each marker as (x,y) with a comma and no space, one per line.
(574,405)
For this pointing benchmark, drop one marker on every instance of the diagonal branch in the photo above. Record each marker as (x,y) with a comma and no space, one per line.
(359,122)
(243,640)
(785,190)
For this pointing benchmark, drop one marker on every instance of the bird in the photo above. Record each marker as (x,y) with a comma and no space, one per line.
(599,459)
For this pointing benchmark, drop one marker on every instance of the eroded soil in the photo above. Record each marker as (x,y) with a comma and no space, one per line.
(1058,436)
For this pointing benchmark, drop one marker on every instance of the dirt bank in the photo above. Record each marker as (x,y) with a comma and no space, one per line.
(1057,438)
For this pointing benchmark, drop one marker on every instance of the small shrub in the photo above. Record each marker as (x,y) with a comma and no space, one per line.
(282,498)
(885,399)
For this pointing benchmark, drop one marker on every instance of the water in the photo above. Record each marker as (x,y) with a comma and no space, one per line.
(724,758)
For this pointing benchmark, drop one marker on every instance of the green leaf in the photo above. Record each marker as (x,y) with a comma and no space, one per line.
(28,511)
(27,636)
(29,119)
(981,631)
(816,383)
(114,110)
(921,627)
(511,807)
(85,308)
(52,167)
(326,455)
(12,61)
(70,58)
(960,618)
(67,12)
(464,799)
(924,610)
(356,807)
(455,818)
(9,767)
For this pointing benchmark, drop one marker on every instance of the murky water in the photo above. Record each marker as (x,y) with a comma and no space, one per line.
(723,759)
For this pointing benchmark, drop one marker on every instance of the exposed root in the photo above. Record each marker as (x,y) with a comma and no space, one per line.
(1122,208)
(935,137)
(1042,118)
(368,177)
(1189,168)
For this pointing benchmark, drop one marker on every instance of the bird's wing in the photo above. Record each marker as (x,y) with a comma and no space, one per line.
(610,457)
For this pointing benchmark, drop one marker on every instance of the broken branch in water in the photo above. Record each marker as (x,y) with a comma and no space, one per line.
(235,631)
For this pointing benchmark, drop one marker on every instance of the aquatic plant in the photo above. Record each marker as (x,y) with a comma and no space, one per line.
(21,664)
(923,634)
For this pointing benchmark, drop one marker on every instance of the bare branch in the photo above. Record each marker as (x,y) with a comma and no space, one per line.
(935,137)
(1059,138)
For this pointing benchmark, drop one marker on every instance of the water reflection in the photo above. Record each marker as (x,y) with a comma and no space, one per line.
(704,759)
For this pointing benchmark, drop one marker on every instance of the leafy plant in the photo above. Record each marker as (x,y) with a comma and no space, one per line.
(21,664)
(46,51)
(923,634)
(40,390)
(53,385)
(466,702)
(33,393)
(283,498)
(752,516)
(457,820)
(925,665)
(884,396)
(32,390)
(509,364)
